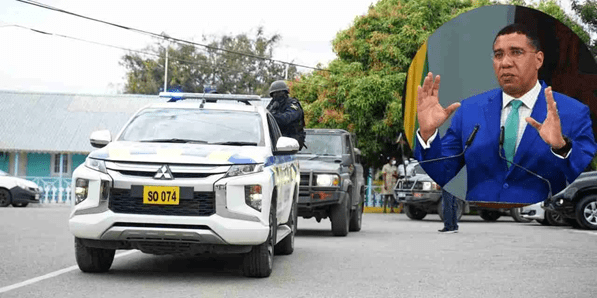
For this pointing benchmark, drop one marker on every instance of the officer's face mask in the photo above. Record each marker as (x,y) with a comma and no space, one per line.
(278,95)
(393,162)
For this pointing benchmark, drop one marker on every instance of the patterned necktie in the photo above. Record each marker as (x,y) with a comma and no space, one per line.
(511,130)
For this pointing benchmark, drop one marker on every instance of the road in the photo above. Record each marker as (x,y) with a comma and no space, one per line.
(392,256)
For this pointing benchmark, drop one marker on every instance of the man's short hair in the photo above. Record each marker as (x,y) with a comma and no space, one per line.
(521,29)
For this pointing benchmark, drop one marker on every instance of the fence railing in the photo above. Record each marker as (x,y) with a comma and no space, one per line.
(374,198)
(55,190)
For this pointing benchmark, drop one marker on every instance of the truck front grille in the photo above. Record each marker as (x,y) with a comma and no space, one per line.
(202,204)
(305,179)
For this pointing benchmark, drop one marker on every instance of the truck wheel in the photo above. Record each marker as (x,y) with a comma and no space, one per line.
(260,260)
(586,212)
(415,213)
(5,197)
(554,218)
(356,217)
(340,217)
(517,216)
(91,259)
(573,222)
(490,215)
(543,222)
(20,204)
(459,210)
(286,246)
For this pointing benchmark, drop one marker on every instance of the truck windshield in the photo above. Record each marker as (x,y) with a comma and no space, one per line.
(195,126)
(323,144)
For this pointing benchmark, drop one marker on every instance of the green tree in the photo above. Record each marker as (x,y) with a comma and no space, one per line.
(588,15)
(191,67)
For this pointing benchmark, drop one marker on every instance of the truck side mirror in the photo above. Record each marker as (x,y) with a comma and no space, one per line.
(286,145)
(100,138)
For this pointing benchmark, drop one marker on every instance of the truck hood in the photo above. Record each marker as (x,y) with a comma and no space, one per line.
(182,153)
(420,177)
(318,165)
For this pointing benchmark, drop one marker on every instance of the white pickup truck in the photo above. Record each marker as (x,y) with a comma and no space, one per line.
(209,173)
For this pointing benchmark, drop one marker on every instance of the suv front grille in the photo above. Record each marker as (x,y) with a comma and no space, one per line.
(176,175)
(409,185)
(202,204)
(305,179)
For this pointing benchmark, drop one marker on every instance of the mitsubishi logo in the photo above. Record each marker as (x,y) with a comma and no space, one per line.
(164,173)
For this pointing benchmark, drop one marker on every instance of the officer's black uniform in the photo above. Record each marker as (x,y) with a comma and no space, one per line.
(290,118)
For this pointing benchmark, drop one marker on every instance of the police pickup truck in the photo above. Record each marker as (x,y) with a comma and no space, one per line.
(332,182)
(207,174)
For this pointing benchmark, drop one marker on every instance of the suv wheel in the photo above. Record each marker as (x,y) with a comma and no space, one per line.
(91,259)
(4,197)
(286,246)
(586,212)
(340,217)
(260,260)
(490,215)
(356,217)
(554,218)
(415,213)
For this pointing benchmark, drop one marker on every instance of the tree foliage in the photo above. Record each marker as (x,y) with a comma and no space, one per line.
(362,89)
(587,13)
(190,68)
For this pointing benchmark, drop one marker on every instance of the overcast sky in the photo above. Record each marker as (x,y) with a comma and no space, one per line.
(31,61)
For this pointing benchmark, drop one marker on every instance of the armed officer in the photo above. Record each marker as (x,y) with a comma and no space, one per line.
(288,112)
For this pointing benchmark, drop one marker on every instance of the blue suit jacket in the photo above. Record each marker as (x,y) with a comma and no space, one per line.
(489,178)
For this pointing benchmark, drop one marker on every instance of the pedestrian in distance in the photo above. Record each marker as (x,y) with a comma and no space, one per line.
(450,213)
(390,176)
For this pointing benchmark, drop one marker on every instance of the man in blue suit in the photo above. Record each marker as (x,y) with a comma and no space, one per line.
(557,145)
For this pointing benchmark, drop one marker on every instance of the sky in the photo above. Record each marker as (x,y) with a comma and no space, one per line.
(35,62)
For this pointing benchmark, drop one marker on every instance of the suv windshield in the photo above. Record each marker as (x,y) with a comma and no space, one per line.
(322,144)
(195,126)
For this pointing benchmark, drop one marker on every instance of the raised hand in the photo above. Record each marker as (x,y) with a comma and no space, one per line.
(551,129)
(430,114)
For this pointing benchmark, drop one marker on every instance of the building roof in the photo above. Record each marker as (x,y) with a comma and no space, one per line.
(60,122)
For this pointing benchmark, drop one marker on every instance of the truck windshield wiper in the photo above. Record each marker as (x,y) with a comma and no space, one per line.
(236,143)
(174,140)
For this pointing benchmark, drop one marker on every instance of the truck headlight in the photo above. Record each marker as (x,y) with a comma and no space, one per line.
(237,170)
(96,164)
(253,196)
(327,180)
(427,185)
(81,190)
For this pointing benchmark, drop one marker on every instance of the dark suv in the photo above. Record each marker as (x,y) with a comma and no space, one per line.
(332,183)
(577,203)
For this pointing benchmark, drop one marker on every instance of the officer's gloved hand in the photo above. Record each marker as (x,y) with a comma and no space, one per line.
(274,105)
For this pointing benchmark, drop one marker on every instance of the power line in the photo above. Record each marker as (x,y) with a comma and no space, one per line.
(103,44)
(174,39)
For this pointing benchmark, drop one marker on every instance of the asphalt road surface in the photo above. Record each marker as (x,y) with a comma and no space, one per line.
(392,256)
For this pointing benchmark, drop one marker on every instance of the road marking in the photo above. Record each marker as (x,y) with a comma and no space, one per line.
(52,274)
(584,232)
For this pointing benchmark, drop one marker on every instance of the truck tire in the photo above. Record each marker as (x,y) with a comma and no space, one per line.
(356,217)
(459,206)
(91,259)
(5,197)
(515,213)
(415,213)
(17,205)
(554,218)
(260,260)
(490,215)
(286,246)
(586,212)
(340,217)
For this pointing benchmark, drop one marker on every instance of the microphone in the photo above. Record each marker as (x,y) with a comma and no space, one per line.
(468,143)
(502,133)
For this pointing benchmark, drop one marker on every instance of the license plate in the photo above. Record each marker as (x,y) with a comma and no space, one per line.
(161,195)
(401,194)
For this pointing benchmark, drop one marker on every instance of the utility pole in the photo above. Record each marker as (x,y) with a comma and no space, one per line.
(166,70)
